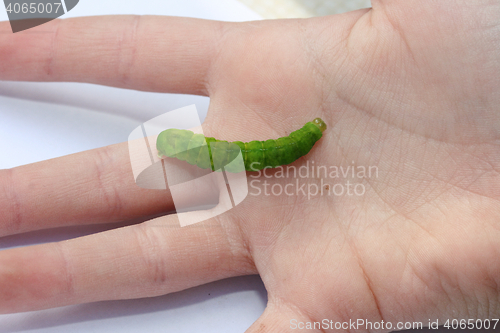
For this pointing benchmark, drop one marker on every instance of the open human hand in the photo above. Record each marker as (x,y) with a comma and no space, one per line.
(408,89)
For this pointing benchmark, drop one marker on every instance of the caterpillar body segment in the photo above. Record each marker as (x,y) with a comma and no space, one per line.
(208,152)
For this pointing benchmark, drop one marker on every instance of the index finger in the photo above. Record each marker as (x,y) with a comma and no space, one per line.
(151,53)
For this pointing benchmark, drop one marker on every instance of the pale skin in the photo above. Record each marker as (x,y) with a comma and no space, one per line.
(411,87)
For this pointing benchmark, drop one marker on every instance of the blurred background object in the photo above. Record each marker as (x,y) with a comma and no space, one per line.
(272,9)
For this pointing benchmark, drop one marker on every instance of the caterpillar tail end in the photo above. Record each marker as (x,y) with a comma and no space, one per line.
(320,124)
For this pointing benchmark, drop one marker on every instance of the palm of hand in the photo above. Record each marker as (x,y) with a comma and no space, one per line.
(415,100)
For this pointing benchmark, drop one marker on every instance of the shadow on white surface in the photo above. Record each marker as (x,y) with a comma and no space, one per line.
(133,104)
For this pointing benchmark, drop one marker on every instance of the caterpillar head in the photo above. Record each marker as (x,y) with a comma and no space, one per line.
(320,124)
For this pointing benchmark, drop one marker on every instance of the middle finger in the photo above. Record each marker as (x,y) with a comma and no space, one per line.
(95,186)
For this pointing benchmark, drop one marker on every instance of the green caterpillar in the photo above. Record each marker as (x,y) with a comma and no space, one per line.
(207,152)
